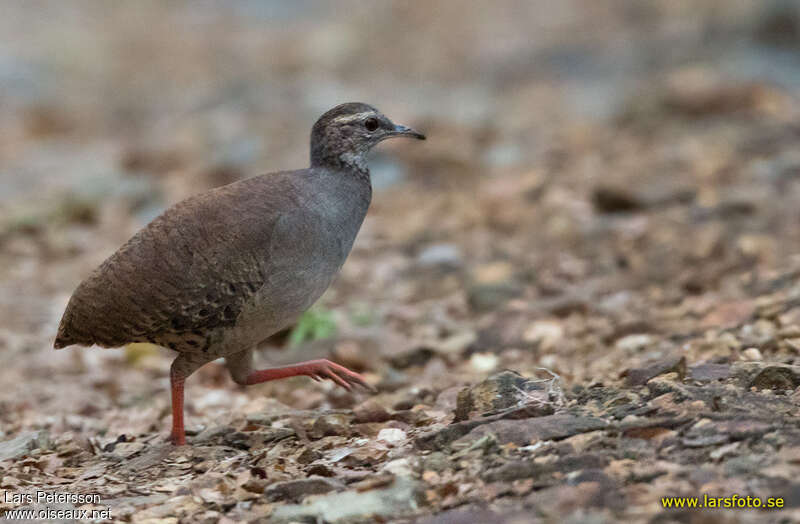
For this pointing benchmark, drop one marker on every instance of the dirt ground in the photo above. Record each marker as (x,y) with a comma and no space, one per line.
(579,296)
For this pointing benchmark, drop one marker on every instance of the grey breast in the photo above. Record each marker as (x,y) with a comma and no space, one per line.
(309,243)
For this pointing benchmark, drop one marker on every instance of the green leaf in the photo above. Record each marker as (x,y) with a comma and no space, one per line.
(314,324)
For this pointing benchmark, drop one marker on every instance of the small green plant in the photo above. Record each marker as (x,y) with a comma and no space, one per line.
(314,324)
(362,315)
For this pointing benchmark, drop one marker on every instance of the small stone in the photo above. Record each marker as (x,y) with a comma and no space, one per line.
(401,498)
(546,333)
(777,377)
(779,24)
(308,456)
(370,411)
(333,424)
(516,470)
(295,490)
(399,467)
(127,449)
(727,449)
(640,376)
(484,362)
(668,383)
(526,431)
(709,372)
(493,273)
(457,343)
(418,356)
(631,344)
(500,391)
(23,444)
(437,461)
(441,255)
(430,477)
(488,297)
(615,199)
(752,354)
(705,440)
(392,436)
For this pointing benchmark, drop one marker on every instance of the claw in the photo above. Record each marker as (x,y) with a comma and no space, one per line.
(339,380)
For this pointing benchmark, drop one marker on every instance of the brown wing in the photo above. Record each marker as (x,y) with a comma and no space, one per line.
(187,273)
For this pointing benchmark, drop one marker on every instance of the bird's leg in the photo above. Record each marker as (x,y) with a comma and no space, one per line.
(178,434)
(181,368)
(240,366)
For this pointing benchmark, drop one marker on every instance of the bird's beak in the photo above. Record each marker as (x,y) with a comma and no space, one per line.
(407,131)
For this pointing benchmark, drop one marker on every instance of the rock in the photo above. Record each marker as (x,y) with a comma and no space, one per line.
(474,514)
(308,455)
(488,297)
(729,314)
(493,273)
(704,440)
(483,362)
(333,424)
(547,334)
(270,435)
(127,449)
(401,467)
(699,91)
(640,376)
(392,436)
(668,383)
(456,343)
(709,372)
(296,490)
(516,470)
(401,498)
(779,23)
(777,377)
(23,444)
(418,356)
(752,354)
(441,255)
(498,392)
(370,411)
(526,431)
(635,343)
(437,461)
(615,199)
(441,437)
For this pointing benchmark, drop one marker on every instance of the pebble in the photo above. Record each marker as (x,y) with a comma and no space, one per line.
(442,255)
(634,343)
(484,362)
(546,333)
(392,436)
(752,354)
(295,490)
(370,411)
(333,424)
(23,444)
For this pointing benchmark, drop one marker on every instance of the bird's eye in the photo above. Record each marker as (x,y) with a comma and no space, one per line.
(371,124)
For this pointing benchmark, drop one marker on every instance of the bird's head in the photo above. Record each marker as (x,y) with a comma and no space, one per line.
(343,136)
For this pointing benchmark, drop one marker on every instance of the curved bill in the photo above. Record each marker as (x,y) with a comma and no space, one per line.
(407,131)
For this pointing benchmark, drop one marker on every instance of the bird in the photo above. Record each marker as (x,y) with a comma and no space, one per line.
(223,270)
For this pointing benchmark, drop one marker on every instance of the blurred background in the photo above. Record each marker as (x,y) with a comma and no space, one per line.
(604,182)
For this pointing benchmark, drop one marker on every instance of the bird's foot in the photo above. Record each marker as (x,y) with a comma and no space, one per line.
(177,439)
(323,368)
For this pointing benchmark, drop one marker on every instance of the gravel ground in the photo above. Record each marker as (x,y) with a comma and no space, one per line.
(581,295)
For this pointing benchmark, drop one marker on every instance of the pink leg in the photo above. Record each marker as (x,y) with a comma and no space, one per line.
(316,369)
(178,435)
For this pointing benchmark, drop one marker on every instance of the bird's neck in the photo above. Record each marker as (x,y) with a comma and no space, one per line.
(351,163)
